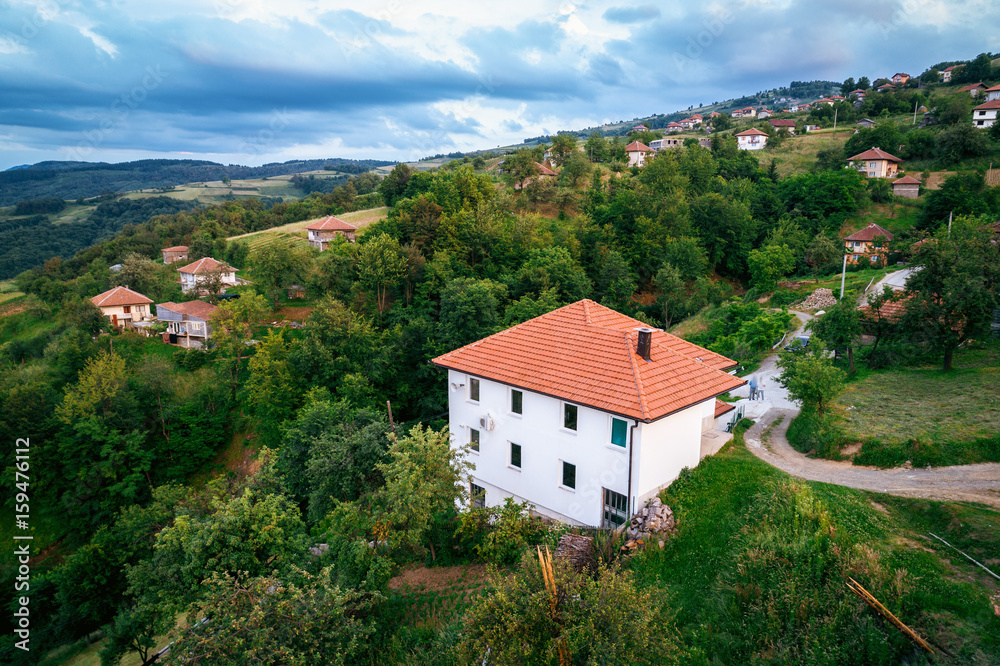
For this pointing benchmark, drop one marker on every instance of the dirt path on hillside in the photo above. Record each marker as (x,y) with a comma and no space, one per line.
(961,483)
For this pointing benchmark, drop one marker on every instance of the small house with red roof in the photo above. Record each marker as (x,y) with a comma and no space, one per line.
(886,87)
(187,323)
(871,243)
(323,231)
(900,78)
(751,139)
(787,123)
(747,112)
(123,307)
(875,163)
(907,187)
(974,89)
(176,253)
(992,93)
(637,152)
(583,411)
(859,93)
(984,115)
(674,127)
(198,273)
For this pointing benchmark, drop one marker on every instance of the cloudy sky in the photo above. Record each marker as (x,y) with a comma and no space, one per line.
(255,81)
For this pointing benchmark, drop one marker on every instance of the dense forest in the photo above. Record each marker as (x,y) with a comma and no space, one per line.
(73,180)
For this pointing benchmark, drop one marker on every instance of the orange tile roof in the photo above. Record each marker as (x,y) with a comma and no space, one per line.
(906,180)
(119,296)
(992,104)
(870,232)
(199,309)
(544,170)
(875,154)
(637,147)
(723,408)
(752,132)
(331,223)
(176,248)
(586,353)
(206,265)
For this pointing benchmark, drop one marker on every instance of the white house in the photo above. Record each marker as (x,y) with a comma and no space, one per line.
(199,272)
(636,152)
(751,139)
(583,412)
(322,232)
(984,115)
(187,323)
(123,307)
(992,93)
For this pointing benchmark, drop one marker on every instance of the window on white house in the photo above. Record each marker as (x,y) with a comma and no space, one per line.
(473,439)
(477,494)
(515,455)
(473,389)
(569,416)
(569,475)
(615,509)
(516,402)
(619,432)
(127,309)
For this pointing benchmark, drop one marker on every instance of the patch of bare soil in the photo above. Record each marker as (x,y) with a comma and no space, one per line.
(298,314)
(851,449)
(879,507)
(437,578)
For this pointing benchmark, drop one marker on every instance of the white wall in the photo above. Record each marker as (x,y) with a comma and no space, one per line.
(663,448)
(545,444)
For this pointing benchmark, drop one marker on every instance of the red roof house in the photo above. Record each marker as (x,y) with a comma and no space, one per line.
(322,232)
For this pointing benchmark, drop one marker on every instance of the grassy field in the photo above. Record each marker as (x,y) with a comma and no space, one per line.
(797,155)
(757,570)
(215,192)
(359,218)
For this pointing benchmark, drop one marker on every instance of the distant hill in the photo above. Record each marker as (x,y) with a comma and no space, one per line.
(73,180)
(19,166)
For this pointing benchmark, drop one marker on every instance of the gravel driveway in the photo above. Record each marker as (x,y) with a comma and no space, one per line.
(967,483)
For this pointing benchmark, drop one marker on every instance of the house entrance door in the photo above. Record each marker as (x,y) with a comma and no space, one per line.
(615,511)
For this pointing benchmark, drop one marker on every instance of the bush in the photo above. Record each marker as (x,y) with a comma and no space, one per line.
(810,433)
(500,534)
(922,453)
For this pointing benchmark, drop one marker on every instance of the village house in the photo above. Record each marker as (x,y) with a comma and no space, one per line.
(900,78)
(826,101)
(788,124)
(637,152)
(872,242)
(974,89)
(859,94)
(984,115)
(583,412)
(875,163)
(866,122)
(196,274)
(123,307)
(907,187)
(748,112)
(322,232)
(674,127)
(992,93)
(886,87)
(176,253)
(660,144)
(187,323)
(947,73)
(764,113)
(751,139)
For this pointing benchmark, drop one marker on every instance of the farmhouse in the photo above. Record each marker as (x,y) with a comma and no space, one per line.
(583,412)
(907,187)
(786,123)
(637,153)
(751,139)
(323,231)
(947,73)
(992,93)
(176,253)
(875,163)
(900,78)
(984,115)
(868,244)
(974,89)
(123,306)
(187,323)
(202,271)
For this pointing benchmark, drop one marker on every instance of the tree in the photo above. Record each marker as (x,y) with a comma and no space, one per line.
(840,327)
(811,377)
(381,266)
(575,168)
(470,310)
(518,167)
(615,282)
(951,299)
(847,86)
(821,252)
(277,263)
(295,619)
(864,83)
(962,140)
(394,185)
(769,264)
(596,147)
(563,145)
(232,329)
(553,267)
(600,620)
(271,391)
(672,291)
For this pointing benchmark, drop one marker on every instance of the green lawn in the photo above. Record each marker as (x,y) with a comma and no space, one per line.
(926,402)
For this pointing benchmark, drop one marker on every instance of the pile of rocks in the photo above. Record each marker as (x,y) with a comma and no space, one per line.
(654,521)
(820,299)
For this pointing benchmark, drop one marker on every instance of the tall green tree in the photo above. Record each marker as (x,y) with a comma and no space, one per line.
(840,328)
(394,185)
(811,377)
(381,267)
(271,390)
(233,325)
(278,263)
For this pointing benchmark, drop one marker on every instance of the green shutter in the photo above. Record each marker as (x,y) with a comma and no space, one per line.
(619,430)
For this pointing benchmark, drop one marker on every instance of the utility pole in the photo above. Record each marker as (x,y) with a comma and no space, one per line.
(835,119)
(843,277)
(914,112)
(950,215)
